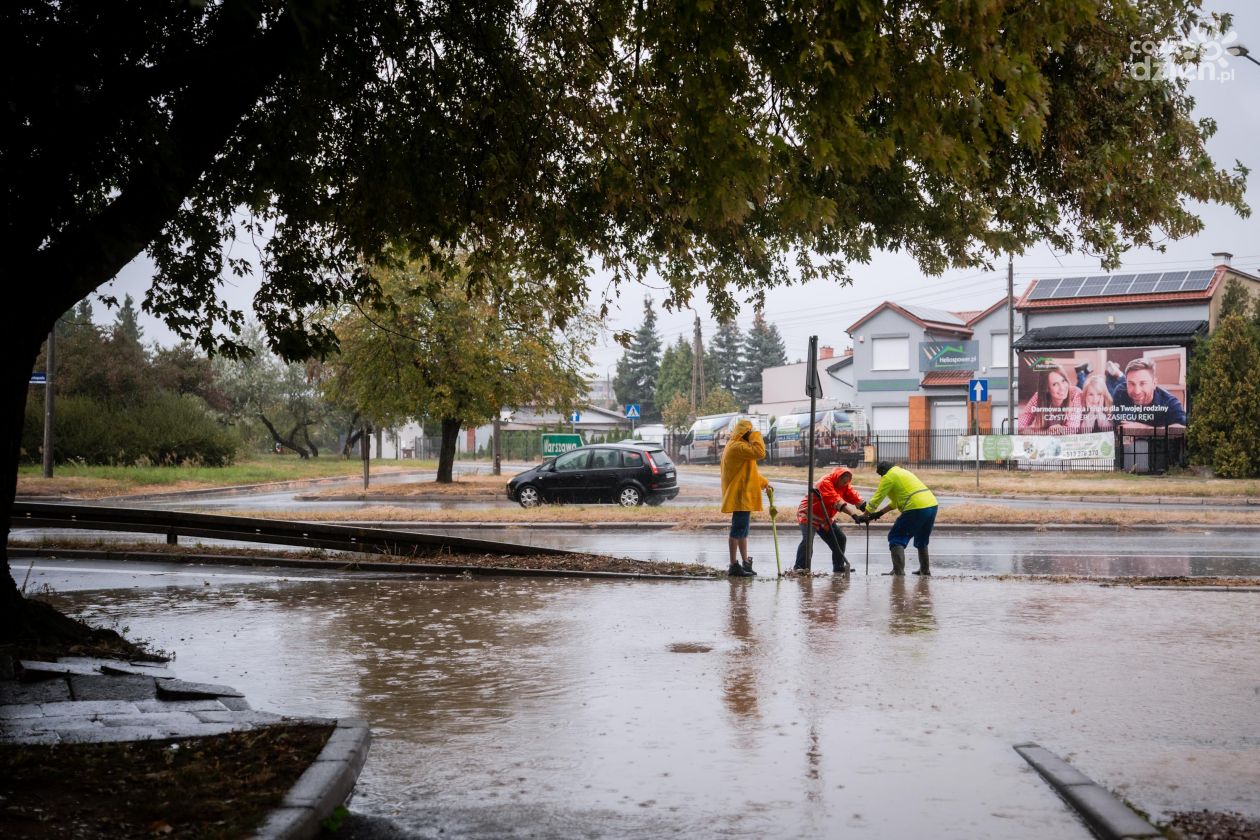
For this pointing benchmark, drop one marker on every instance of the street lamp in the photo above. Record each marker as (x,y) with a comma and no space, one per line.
(1241,51)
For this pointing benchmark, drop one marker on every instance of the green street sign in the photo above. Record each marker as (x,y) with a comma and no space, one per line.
(554,445)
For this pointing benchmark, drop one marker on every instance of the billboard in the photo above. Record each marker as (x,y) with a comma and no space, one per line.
(1071,392)
(949,355)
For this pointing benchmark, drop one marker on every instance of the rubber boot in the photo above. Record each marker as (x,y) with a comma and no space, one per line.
(923,563)
(748,566)
(737,570)
(898,560)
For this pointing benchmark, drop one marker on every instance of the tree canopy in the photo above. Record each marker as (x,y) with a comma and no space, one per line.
(725,148)
(426,349)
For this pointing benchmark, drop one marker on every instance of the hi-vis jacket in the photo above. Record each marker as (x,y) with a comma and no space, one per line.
(903,489)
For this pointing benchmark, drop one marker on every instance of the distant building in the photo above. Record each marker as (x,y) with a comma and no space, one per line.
(783,387)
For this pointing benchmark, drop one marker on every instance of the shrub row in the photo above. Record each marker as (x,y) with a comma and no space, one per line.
(167,429)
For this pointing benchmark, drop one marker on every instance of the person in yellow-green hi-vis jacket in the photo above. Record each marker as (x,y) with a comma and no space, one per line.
(905,492)
(742,486)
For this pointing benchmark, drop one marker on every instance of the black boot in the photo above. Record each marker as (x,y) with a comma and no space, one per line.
(736,570)
(898,560)
(923,563)
(748,566)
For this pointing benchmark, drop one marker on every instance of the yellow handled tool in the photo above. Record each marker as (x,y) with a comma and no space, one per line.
(774,511)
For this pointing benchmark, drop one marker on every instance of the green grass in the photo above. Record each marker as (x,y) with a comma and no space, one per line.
(250,471)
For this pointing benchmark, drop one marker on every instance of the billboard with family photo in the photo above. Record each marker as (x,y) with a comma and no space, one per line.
(1076,392)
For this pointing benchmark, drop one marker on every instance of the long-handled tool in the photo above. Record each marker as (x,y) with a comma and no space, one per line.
(868,546)
(774,511)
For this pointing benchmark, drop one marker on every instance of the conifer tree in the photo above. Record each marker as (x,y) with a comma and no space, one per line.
(127,322)
(675,373)
(639,366)
(727,351)
(763,348)
(1223,431)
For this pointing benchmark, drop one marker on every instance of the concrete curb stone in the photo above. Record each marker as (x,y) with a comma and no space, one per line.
(1107,816)
(133,714)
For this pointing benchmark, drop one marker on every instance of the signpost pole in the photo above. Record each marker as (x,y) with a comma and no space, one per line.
(812,387)
(976,426)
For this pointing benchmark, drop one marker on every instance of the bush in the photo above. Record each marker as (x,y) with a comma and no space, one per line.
(167,430)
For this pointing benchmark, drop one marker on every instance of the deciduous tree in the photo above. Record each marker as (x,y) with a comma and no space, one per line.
(426,348)
(1223,431)
(727,147)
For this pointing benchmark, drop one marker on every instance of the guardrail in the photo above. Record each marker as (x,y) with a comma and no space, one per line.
(176,524)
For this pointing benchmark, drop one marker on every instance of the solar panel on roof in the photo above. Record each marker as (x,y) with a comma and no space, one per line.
(1143,284)
(1197,281)
(1093,286)
(1170,281)
(1069,286)
(1119,285)
(1044,289)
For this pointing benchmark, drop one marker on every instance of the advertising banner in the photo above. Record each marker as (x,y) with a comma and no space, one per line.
(1070,392)
(948,355)
(1038,448)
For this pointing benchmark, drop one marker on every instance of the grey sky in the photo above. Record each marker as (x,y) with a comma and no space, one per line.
(826,309)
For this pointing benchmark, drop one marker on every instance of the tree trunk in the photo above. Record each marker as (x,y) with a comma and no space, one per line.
(446,455)
(283,440)
(352,435)
(306,436)
(17,372)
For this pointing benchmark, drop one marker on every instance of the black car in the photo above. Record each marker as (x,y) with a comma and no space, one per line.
(628,474)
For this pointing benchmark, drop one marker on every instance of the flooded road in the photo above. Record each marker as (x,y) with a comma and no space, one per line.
(807,708)
(1197,552)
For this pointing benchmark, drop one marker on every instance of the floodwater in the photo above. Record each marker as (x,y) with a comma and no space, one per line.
(1195,552)
(867,706)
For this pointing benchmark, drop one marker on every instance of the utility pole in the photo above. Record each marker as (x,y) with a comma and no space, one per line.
(1010,343)
(49,364)
(697,368)
(498,453)
(365,447)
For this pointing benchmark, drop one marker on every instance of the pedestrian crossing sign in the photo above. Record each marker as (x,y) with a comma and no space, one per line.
(632,411)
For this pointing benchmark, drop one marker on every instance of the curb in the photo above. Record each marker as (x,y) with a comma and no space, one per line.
(1106,816)
(348,565)
(407,525)
(326,784)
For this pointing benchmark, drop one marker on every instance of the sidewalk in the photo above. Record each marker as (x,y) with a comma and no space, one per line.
(95,701)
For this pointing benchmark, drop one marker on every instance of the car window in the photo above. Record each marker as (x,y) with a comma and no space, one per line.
(661,459)
(631,459)
(602,459)
(570,461)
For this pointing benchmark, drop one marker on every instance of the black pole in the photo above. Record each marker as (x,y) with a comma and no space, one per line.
(809,487)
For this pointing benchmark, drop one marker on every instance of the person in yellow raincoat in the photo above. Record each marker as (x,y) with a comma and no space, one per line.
(742,486)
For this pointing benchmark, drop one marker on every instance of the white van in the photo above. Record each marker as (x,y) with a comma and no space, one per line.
(650,433)
(704,442)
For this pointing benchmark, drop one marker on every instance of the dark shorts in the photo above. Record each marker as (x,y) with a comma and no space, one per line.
(915,524)
(740,520)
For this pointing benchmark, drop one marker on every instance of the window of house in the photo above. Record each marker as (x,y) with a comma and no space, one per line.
(1001,344)
(890,353)
(890,418)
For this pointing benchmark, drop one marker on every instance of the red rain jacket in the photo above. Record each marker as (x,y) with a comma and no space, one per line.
(833,496)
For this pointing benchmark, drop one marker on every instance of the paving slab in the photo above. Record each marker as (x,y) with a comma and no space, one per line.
(45,691)
(180,706)
(180,690)
(89,708)
(113,687)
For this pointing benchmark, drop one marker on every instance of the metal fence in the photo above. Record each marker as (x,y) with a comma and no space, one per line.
(1155,451)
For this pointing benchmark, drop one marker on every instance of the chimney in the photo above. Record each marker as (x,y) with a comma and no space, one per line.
(826,352)
(1221,257)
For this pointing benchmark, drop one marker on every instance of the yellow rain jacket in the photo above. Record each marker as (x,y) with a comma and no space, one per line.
(742,484)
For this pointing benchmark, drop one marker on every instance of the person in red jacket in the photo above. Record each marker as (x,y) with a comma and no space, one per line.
(832,495)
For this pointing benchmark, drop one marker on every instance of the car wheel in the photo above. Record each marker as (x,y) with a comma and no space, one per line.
(630,497)
(529,496)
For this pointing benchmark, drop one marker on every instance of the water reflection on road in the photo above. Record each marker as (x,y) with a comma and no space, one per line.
(801,708)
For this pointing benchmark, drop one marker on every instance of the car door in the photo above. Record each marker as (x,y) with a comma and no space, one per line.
(603,475)
(568,476)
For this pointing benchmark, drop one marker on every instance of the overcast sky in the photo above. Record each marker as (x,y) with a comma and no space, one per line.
(825,309)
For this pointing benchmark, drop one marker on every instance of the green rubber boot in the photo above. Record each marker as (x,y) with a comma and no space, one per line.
(898,560)
(923,563)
